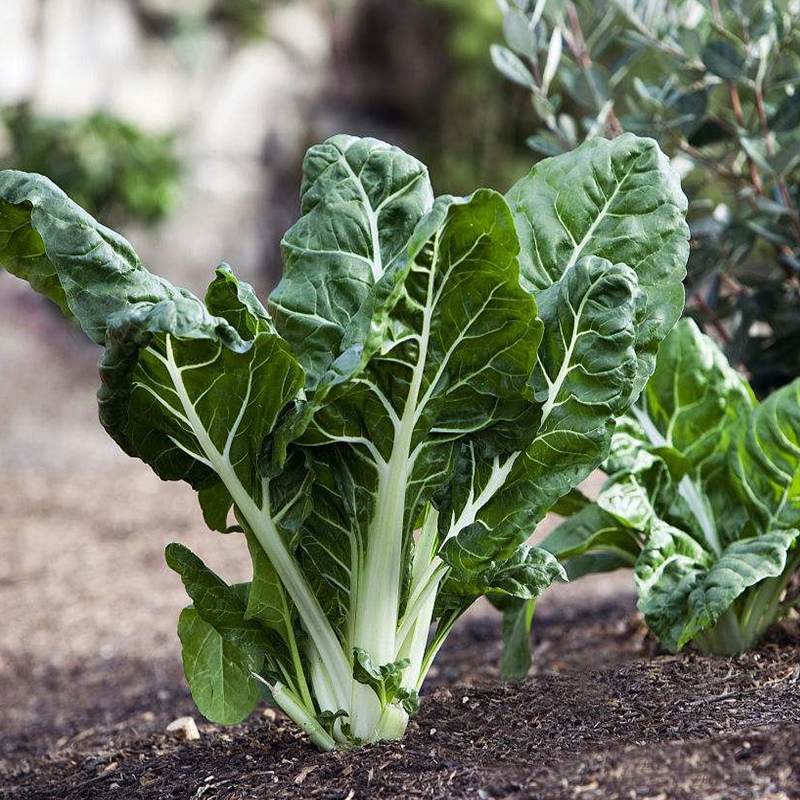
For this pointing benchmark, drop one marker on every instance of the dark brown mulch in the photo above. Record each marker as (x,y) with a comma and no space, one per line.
(666,727)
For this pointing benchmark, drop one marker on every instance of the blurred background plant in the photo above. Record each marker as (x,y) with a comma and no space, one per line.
(416,72)
(476,133)
(114,170)
(242,19)
(715,83)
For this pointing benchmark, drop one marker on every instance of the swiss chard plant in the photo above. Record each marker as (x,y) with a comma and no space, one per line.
(427,379)
(703,501)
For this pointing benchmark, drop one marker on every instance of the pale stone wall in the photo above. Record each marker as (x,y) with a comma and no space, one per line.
(242,110)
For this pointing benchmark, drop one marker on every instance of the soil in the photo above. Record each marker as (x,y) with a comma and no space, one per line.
(90,672)
(661,727)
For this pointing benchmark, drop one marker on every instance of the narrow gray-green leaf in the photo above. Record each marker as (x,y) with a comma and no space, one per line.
(512,66)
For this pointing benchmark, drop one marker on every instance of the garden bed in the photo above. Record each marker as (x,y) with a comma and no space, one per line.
(636,724)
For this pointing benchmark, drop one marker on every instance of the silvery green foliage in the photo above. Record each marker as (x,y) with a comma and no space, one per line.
(715,84)
(703,501)
(428,378)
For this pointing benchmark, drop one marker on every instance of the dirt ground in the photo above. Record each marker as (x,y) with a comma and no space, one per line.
(90,669)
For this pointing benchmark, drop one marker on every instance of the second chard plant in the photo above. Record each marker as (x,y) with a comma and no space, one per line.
(426,381)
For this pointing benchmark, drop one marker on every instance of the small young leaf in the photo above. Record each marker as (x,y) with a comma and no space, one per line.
(553,60)
(384,679)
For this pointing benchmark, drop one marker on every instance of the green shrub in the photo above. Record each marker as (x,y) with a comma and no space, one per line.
(107,166)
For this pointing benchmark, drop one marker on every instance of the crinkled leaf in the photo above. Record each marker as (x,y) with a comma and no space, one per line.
(192,408)
(524,576)
(236,301)
(686,418)
(585,369)
(161,342)
(409,700)
(690,403)
(743,564)
(765,461)
(361,201)
(681,594)
(626,500)
(216,504)
(670,567)
(619,200)
(91,272)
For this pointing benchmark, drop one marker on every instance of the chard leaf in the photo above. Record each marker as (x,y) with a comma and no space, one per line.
(515,660)
(217,671)
(686,418)
(626,500)
(236,301)
(266,600)
(361,201)
(216,504)
(765,461)
(571,503)
(168,357)
(217,603)
(191,407)
(593,541)
(512,587)
(682,593)
(742,564)
(689,405)
(619,200)
(583,376)
(92,273)
(383,679)
(525,575)
(671,565)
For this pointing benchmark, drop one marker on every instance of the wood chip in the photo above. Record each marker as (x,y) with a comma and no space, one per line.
(184,728)
(303,774)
